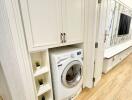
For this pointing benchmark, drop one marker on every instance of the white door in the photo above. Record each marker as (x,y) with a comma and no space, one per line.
(41,21)
(73,13)
(99,47)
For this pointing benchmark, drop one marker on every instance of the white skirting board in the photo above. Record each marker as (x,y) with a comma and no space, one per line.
(109,63)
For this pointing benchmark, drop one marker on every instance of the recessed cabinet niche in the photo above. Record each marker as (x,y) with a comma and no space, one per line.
(51,23)
(41,75)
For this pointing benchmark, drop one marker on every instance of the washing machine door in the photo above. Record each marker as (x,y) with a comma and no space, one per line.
(71,75)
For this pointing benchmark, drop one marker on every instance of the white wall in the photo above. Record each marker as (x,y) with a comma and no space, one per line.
(112,23)
(127,2)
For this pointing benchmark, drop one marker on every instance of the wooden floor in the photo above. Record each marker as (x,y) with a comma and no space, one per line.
(1,98)
(116,85)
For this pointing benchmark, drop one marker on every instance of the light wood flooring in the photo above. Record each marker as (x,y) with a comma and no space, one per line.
(1,98)
(116,85)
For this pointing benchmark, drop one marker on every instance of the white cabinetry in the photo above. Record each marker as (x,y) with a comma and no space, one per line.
(41,23)
(73,13)
(111,62)
(47,22)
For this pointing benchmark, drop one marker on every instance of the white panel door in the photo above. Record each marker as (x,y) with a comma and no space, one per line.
(100,33)
(73,13)
(43,16)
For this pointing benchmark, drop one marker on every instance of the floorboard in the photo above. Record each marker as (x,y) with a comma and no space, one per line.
(115,85)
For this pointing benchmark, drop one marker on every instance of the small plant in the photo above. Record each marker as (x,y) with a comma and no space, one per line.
(37,64)
(43,97)
(40,81)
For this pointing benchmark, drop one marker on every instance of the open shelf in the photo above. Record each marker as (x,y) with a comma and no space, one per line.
(40,71)
(42,81)
(39,61)
(43,89)
(45,96)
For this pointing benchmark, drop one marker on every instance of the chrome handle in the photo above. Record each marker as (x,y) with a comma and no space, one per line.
(64,37)
(61,37)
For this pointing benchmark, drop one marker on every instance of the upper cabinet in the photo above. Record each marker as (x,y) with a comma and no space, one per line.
(41,22)
(51,23)
(73,21)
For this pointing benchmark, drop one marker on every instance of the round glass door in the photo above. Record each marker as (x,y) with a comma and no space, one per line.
(71,76)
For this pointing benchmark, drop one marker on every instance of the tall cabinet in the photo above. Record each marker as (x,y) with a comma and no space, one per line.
(52,23)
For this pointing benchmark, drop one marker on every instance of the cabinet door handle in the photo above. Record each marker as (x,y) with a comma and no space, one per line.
(64,37)
(61,37)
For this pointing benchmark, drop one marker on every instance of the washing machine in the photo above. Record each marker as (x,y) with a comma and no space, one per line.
(66,67)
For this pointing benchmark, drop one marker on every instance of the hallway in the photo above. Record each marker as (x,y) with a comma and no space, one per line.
(116,85)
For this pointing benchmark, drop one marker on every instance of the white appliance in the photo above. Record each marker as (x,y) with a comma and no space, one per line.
(66,66)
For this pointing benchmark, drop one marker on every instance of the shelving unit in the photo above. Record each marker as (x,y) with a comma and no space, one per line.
(42,75)
(43,89)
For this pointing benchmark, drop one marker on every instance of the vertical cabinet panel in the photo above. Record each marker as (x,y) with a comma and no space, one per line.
(44,22)
(72,12)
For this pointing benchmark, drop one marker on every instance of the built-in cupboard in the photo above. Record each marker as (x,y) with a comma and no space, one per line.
(52,23)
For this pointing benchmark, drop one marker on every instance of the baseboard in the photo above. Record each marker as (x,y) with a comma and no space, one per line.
(97,80)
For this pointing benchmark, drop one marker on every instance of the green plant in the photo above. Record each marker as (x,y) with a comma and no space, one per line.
(37,64)
(43,97)
(40,81)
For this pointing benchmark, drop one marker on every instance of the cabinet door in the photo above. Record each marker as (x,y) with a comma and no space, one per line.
(73,13)
(41,20)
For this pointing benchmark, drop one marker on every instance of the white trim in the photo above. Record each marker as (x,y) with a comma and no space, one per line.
(20,47)
(97,80)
